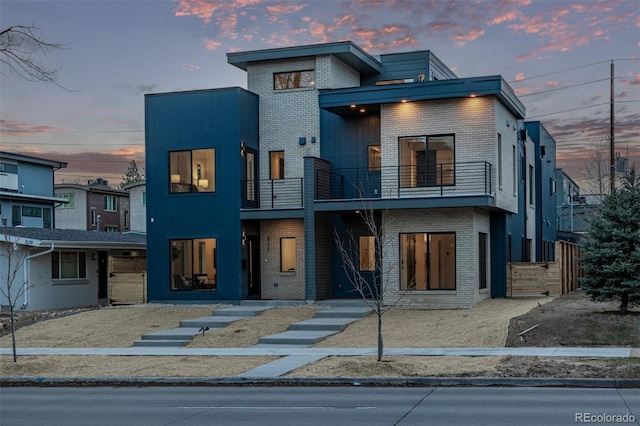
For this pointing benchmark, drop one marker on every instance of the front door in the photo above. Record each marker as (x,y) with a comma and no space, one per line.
(250,184)
(253,273)
(103,277)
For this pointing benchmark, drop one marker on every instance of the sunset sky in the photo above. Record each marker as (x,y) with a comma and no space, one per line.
(555,54)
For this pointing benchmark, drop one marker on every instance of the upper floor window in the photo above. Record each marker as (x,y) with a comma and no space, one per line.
(427,161)
(374,158)
(276,164)
(70,197)
(192,171)
(110,203)
(293,80)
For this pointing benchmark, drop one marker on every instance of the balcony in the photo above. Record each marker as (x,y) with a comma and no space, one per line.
(441,180)
(272,193)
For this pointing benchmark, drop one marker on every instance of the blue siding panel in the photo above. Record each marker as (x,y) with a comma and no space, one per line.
(218,119)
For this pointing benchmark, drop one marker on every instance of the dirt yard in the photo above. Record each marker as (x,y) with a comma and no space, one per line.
(491,323)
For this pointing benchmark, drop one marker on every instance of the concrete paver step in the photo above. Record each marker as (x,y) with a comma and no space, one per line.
(240,311)
(180,333)
(344,312)
(211,322)
(293,337)
(320,324)
(163,343)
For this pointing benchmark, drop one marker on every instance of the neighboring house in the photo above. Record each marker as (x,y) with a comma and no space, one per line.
(26,190)
(66,268)
(137,205)
(574,211)
(94,207)
(246,187)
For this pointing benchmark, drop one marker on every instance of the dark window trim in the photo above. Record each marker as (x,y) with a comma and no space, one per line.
(191,185)
(281,257)
(453,162)
(370,168)
(195,278)
(455,261)
(282,171)
(292,72)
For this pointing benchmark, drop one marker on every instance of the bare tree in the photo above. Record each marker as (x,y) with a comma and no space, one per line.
(373,290)
(19,47)
(12,287)
(596,172)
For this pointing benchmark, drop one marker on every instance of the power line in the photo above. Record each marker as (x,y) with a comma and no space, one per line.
(571,69)
(564,87)
(576,109)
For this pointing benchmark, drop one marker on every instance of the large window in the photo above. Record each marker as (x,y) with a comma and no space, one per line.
(426,161)
(68,265)
(276,164)
(428,261)
(293,80)
(483,259)
(192,171)
(110,203)
(288,254)
(31,216)
(193,265)
(367,252)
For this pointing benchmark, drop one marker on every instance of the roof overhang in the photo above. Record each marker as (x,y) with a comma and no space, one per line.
(35,160)
(339,101)
(97,245)
(346,51)
(30,197)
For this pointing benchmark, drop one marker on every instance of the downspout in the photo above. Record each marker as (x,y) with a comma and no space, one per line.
(26,273)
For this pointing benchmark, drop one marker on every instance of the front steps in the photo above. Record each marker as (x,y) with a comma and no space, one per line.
(309,332)
(182,335)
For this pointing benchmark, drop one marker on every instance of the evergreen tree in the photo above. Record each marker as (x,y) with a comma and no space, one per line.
(611,257)
(132,175)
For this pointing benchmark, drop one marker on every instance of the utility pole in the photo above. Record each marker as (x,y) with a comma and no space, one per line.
(611,136)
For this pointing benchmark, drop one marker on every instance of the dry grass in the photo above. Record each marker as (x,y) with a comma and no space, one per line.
(485,325)
(129,366)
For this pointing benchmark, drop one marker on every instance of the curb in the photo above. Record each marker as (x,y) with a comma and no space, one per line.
(361,381)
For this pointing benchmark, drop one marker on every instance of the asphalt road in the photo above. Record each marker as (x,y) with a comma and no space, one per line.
(355,405)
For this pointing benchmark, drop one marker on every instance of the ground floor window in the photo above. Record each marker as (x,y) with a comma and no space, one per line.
(193,264)
(428,261)
(287,254)
(68,265)
(367,251)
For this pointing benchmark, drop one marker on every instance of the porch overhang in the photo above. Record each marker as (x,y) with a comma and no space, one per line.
(486,201)
(251,214)
(340,101)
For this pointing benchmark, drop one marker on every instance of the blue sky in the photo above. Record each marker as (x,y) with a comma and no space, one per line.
(556,54)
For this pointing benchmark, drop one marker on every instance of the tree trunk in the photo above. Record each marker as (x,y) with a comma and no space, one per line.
(13,333)
(380,347)
(624,304)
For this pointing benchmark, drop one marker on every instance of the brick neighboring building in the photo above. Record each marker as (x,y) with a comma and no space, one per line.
(93,207)
(246,187)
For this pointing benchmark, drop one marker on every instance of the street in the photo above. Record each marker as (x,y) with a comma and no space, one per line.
(353,405)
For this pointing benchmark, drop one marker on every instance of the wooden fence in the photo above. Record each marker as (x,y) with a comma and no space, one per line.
(552,278)
(127,280)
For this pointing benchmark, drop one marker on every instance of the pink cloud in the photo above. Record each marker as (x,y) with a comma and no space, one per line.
(285,8)
(212,44)
(519,76)
(20,128)
(190,67)
(471,35)
(631,82)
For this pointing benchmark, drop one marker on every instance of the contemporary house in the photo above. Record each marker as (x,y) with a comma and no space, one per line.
(60,268)
(137,205)
(26,190)
(246,188)
(93,207)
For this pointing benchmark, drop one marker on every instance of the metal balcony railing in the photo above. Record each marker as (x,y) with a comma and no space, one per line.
(272,193)
(450,179)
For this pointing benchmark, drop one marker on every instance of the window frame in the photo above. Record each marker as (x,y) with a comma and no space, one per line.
(432,178)
(427,249)
(191,176)
(273,155)
(71,197)
(80,267)
(283,265)
(198,278)
(370,263)
(110,203)
(374,158)
(289,83)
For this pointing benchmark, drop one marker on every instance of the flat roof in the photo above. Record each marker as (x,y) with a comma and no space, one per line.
(34,160)
(346,51)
